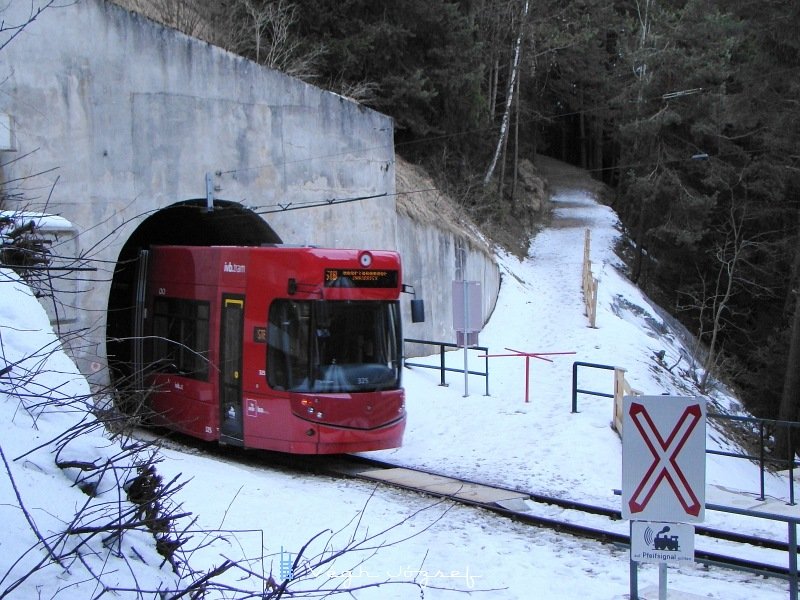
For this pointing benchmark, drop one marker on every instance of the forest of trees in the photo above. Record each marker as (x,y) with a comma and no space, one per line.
(688,109)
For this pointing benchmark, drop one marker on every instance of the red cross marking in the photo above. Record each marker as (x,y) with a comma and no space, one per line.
(665,463)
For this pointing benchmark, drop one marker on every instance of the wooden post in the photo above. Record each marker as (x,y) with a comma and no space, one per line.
(619,392)
(589,282)
(621,389)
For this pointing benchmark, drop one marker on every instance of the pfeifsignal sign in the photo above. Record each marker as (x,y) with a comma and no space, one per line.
(659,542)
(663,458)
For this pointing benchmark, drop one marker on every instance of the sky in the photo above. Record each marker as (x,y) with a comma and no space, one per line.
(387,543)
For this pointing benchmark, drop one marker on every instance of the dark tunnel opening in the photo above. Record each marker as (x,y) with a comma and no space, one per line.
(187,223)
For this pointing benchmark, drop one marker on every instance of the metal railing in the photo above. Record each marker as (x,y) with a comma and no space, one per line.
(763,458)
(791,523)
(576,390)
(443,368)
(791,546)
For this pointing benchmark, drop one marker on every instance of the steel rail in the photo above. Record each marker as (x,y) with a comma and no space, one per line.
(341,467)
(348,466)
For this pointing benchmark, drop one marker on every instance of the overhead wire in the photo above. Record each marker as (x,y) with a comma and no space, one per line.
(491,128)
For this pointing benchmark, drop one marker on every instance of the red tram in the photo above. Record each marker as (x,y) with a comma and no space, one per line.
(297,350)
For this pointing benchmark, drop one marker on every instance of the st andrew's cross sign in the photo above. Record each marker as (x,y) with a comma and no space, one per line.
(663,458)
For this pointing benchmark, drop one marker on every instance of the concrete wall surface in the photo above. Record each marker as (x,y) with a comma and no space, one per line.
(115,117)
(433,258)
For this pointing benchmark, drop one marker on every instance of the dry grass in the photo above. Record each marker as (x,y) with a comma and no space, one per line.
(510,226)
(420,200)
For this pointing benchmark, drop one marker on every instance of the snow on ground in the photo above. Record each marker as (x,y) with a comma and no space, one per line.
(540,446)
(42,396)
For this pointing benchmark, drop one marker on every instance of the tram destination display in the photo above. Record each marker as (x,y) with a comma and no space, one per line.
(361,278)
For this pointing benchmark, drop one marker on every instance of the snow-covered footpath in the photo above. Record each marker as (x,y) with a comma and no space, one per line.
(394,536)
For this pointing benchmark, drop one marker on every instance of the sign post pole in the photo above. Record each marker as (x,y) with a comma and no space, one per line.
(466,335)
(467,318)
(663,479)
(633,570)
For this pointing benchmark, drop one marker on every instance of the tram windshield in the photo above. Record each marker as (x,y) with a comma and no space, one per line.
(333,346)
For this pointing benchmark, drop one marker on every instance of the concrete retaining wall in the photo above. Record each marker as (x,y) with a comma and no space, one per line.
(116,117)
(433,259)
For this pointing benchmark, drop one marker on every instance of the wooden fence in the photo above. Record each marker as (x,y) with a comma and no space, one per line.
(589,283)
(621,389)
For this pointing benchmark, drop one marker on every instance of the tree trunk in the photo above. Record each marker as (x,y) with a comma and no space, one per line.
(516,144)
(638,239)
(791,386)
(597,162)
(493,84)
(582,132)
(511,84)
(790,398)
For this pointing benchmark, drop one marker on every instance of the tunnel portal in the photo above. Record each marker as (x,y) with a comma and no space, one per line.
(188,223)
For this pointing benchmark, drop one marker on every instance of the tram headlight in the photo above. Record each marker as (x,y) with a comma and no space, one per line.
(310,409)
(365,258)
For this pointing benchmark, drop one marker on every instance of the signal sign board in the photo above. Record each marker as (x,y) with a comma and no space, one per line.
(467,306)
(662,542)
(663,458)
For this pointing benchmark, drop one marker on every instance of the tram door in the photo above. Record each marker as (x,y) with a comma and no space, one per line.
(230,376)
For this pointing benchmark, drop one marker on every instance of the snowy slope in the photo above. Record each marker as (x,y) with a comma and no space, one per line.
(42,396)
(533,446)
(258,517)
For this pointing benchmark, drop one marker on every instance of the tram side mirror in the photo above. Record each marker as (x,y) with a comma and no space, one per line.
(417,310)
(417,305)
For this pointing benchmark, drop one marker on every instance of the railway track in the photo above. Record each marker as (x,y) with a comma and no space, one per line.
(525,507)
(532,508)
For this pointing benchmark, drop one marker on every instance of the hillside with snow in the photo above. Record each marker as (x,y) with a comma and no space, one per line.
(247,522)
(69,529)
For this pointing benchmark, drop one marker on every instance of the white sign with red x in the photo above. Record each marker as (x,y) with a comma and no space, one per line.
(663,458)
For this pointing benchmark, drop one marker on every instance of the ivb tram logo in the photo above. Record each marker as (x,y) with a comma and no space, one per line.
(229,267)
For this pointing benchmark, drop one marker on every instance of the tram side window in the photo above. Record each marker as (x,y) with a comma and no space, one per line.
(288,345)
(181,337)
